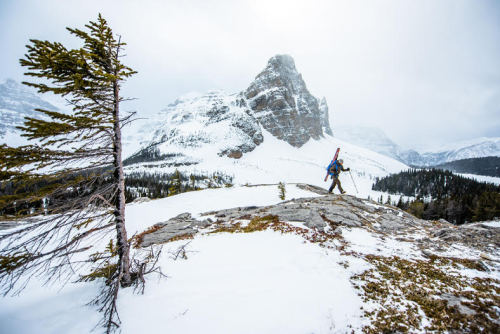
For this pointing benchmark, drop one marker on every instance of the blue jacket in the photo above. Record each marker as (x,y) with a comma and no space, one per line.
(334,168)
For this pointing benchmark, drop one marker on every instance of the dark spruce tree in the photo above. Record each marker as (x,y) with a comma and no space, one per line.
(75,164)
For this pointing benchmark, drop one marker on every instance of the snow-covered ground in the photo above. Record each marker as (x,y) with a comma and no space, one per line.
(260,282)
(275,160)
(482,178)
(62,309)
(493,223)
(140,216)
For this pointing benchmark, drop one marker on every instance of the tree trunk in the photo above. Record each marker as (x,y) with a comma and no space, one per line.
(119,179)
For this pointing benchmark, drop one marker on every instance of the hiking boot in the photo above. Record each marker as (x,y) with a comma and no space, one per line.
(342,192)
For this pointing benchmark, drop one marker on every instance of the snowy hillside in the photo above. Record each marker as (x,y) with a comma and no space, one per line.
(17,102)
(212,121)
(273,131)
(326,264)
(275,160)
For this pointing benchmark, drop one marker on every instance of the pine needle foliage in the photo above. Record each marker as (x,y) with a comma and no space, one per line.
(74,162)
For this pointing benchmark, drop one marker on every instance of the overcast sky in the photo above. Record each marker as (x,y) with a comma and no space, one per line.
(427,72)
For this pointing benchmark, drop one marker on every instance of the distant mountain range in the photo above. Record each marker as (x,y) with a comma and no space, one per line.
(376,140)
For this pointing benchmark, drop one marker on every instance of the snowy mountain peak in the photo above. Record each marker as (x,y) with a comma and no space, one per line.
(221,124)
(210,124)
(11,83)
(282,64)
(281,102)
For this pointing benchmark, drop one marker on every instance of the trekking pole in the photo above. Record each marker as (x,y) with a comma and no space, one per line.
(353,182)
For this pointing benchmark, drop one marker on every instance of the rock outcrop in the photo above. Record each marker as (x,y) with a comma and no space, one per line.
(331,212)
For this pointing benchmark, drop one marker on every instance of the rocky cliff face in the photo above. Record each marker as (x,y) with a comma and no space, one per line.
(279,100)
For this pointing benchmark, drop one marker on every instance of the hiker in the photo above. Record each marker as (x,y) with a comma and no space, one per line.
(334,170)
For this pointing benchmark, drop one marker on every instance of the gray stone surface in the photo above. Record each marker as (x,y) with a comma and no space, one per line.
(453,300)
(180,225)
(318,213)
(331,212)
(470,234)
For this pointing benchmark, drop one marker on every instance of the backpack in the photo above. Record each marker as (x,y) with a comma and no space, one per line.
(333,168)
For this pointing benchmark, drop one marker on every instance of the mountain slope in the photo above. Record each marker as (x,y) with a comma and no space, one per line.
(212,121)
(17,102)
(275,160)
(231,124)
(273,131)
(477,148)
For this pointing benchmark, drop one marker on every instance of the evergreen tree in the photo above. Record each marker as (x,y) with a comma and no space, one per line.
(400,202)
(388,201)
(176,187)
(75,161)
(282,191)
(192,178)
(449,196)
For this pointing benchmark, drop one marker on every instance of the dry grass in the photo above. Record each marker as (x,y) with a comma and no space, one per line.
(139,238)
(406,290)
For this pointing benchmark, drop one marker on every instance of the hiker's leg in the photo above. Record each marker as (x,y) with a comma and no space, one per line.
(340,186)
(332,186)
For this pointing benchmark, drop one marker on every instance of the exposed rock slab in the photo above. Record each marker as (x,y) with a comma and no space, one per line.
(330,212)
(182,224)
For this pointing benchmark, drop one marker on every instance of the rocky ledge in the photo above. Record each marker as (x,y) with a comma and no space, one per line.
(329,213)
